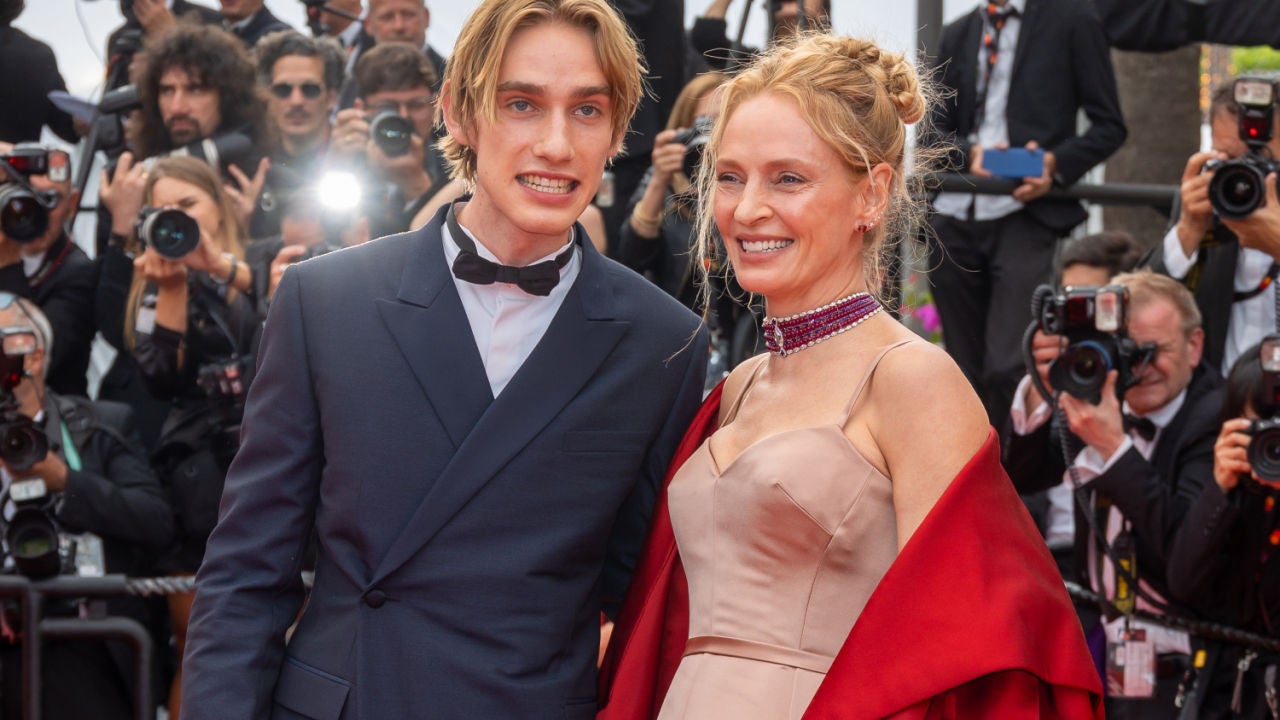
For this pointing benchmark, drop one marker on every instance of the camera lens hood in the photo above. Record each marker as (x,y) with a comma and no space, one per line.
(173,233)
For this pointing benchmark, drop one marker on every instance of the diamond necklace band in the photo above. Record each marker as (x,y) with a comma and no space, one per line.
(786,335)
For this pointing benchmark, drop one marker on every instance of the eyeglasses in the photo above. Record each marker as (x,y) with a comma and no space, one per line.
(284,90)
(416,106)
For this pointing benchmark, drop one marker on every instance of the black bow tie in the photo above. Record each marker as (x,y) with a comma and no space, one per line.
(538,279)
(1143,426)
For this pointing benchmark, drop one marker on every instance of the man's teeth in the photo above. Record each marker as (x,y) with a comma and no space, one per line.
(764,245)
(546,185)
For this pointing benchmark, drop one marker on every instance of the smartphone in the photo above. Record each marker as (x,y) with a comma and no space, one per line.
(1016,163)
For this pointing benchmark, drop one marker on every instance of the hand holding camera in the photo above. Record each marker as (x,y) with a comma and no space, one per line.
(1230,454)
(1099,425)
(668,157)
(1045,349)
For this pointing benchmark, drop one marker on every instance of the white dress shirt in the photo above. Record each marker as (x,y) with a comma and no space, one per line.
(994,129)
(1252,319)
(507,322)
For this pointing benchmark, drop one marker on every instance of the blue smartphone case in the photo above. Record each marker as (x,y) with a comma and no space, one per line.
(1016,163)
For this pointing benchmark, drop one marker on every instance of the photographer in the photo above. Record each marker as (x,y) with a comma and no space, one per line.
(1229,264)
(101,487)
(191,327)
(1221,563)
(302,76)
(395,82)
(1089,260)
(48,267)
(1139,456)
(657,238)
(196,83)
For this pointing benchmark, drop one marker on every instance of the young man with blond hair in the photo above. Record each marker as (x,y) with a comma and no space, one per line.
(474,417)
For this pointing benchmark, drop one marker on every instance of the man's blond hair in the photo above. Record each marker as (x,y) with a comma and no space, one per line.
(471,76)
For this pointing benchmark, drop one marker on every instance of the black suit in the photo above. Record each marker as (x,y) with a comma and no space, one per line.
(24,95)
(1154,494)
(986,270)
(263,23)
(65,292)
(116,496)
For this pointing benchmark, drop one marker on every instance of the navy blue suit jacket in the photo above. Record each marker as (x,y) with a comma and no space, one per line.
(467,544)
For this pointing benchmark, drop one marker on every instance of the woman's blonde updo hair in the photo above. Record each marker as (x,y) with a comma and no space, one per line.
(859,99)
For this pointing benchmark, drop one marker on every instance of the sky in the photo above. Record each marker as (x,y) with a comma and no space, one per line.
(77,29)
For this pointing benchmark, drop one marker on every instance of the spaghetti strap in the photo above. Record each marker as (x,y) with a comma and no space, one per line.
(737,402)
(875,362)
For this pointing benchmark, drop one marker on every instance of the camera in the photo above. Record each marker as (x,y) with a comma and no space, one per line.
(1238,187)
(173,233)
(694,140)
(1264,442)
(1092,319)
(22,444)
(391,133)
(24,210)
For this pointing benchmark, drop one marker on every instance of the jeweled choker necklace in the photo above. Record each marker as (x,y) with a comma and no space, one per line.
(786,335)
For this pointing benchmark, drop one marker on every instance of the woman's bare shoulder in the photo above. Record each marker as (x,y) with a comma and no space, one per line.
(920,392)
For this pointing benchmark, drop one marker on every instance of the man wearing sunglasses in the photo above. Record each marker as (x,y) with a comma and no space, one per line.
(56,274)
(302,76)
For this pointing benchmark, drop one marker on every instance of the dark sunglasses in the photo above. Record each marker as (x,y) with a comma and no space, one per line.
(310,90)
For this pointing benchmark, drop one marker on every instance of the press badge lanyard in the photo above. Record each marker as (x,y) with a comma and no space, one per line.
(69,451)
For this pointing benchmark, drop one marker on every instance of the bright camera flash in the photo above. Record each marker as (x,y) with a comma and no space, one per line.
(339,191)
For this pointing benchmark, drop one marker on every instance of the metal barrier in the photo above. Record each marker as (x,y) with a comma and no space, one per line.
(1159,197)
(31,595)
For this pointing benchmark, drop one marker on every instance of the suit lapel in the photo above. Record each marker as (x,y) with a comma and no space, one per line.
(576,344)
(970,69)
(430,329)
(1027,34)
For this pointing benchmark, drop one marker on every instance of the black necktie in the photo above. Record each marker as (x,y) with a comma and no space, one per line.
(537,279)
(993,24)
(1143,426)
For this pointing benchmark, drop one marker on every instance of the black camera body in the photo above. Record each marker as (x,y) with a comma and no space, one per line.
(1264,440)
(1093,321)
(695,141)
(171,232)
(1238,187)
(24,210)
(391,133)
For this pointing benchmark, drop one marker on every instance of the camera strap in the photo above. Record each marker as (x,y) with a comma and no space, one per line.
(69,451)
(50,264)
(1267,280)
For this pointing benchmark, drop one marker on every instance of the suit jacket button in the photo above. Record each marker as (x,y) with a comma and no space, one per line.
(375,598)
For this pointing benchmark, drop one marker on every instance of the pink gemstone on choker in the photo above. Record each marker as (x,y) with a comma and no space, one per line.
(786,335)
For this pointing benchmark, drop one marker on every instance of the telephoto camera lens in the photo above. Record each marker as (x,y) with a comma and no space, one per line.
(1264,449)
(173,233)
(22,216)
(1237,190)
(392,134)
(33,543)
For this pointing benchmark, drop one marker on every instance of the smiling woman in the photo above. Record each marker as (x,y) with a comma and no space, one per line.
(811,523)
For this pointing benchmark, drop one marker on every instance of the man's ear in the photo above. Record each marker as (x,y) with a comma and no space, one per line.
(452,122)
(1195,347)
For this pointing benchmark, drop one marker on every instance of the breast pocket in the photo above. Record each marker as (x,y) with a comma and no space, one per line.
(604,441)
